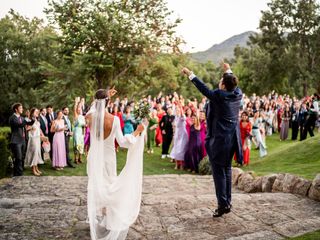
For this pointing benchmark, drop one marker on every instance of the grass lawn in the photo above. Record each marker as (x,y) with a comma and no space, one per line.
(309,236)
(300,158)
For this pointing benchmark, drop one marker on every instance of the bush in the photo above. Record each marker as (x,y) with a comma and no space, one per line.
(205,166)
(5,154)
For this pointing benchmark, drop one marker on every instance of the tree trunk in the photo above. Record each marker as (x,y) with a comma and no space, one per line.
(305,89)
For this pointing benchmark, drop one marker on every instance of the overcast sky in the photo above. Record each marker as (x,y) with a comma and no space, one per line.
(205,22)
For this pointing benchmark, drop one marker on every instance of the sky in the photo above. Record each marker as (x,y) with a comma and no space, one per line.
(205,22)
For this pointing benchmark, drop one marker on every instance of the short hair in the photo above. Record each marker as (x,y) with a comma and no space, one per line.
(230,81)
(49,106)
(15,106)
(41,109)
(64,108)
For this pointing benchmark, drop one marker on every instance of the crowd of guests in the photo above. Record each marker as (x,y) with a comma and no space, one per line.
(43,133)
(175,124)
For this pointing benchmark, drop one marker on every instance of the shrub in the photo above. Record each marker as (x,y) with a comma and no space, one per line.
(5,154)
(205,166)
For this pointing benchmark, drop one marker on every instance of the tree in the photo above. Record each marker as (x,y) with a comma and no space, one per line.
(289,47)
(23,44)
(109,38)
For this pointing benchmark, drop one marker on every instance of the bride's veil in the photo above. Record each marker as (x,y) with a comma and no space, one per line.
(113,202)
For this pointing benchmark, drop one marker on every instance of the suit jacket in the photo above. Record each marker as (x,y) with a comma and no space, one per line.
(68,123)
(18,134)
(223,132)
(43,124)
(50,122)
(166,124)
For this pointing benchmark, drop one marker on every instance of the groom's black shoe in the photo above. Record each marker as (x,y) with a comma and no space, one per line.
(221,210)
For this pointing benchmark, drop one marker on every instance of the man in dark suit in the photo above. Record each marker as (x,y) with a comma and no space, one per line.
(167,132)
(44,126)
(67,134)
(51,116)
(223,133)
(18,138)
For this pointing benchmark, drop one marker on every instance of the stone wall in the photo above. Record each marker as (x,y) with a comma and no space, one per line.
(282,182)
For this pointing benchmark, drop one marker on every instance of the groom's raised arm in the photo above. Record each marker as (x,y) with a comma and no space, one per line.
(202,87)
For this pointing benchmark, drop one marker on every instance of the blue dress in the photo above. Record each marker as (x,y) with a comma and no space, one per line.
(128,124)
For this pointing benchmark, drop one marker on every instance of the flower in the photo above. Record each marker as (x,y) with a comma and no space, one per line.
(141,110)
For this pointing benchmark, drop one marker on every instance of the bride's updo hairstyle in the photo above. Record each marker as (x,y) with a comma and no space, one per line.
(102,94)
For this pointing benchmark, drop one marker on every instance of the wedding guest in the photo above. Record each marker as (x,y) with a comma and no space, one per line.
(128,120)
(194,153)
(256,133)
(87,138)
(51,116)
(203,132)
(78,132)
(167,132)
(180,140)
(18,138)
(245,134)
(285,118)
(161,113)
(67,134)
(44,122)
(33,154)
(188,119)
(303,114)
(151,130)
(59,160)
(44,128)
(295,120)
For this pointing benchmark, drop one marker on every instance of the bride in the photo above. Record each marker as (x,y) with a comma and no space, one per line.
(113,201)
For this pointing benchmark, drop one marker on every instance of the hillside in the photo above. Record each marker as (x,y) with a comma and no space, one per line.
(222,50)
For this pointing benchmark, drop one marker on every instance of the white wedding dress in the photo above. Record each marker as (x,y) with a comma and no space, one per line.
(113,201)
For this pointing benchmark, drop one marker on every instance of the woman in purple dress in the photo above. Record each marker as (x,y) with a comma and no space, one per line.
(194,150)
(180,139)
(58,127)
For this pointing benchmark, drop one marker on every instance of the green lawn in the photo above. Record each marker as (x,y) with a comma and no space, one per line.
(309,236)
(300,158)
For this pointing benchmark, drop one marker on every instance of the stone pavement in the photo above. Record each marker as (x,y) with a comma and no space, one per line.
(173,207)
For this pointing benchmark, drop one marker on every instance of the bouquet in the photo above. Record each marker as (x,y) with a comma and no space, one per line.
(141,111)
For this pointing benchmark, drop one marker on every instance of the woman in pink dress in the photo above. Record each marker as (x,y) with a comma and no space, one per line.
(58,127)
(203,132)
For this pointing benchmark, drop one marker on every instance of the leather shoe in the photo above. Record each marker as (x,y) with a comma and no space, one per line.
(221,210)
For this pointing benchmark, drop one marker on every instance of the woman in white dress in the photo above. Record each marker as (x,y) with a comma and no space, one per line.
(33,154)
(113,200)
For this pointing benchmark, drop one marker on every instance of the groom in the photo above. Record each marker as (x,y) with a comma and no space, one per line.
(223,133)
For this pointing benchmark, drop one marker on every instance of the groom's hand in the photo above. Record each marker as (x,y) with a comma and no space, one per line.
(186,71)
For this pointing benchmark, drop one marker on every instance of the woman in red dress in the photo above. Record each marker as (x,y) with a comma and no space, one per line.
(160,114)
(245,133)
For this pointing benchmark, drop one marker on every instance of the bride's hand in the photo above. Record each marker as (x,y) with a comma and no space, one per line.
(112,92)
(140,128)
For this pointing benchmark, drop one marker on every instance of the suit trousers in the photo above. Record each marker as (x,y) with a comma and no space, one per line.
(166,142)
(67,140)
(222,176)
(295,130)
(18,150)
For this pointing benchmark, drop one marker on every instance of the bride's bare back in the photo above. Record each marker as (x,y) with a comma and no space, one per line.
(108,123)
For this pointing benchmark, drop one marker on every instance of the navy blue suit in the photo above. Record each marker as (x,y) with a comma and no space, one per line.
(223,136)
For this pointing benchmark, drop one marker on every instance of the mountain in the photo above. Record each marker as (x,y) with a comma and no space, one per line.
(223,50)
